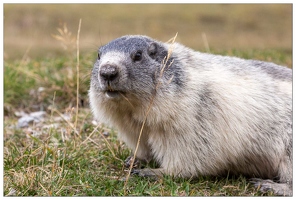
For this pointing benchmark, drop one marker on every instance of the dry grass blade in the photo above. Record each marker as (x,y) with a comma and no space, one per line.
(104,138)
(126,99)
(67,121)
(164,64)
(205,41)
(166,59)
(77,71)
(48,192)
(23,62)
(138,142)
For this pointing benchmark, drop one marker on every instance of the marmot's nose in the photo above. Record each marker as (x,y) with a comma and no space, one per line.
(109,72)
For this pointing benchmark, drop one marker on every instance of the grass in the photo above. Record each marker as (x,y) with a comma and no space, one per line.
(58,163)
(65,154)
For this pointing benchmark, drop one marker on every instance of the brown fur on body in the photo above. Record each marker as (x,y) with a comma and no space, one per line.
(209,115)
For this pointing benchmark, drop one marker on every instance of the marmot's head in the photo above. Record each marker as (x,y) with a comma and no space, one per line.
(128,67)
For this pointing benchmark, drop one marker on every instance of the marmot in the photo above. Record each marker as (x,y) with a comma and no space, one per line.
(202,114)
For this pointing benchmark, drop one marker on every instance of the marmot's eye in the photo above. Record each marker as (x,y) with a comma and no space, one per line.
(99,56)
(137,56)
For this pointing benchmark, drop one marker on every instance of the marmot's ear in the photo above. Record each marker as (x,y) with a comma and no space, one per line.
(152,50)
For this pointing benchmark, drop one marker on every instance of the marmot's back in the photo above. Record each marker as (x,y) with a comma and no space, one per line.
(208,114)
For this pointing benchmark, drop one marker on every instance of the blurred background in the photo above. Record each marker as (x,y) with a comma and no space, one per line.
(33,28)
(40,41)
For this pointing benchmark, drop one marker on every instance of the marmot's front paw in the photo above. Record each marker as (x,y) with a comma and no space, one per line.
(128,162)
(148,172)
(280,189)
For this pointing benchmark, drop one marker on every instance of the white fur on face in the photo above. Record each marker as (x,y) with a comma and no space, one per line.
(111,58)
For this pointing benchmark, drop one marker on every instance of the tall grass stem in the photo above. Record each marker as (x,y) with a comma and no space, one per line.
(77,75)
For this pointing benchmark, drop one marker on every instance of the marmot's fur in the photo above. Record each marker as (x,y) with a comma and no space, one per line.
(209,114)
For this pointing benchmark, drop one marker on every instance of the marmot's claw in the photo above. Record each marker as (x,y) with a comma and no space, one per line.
(268,185)
(135,171)
(128,162)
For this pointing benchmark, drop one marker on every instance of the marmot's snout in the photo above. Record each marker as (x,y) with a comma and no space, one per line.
(109,78)
(109,73)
